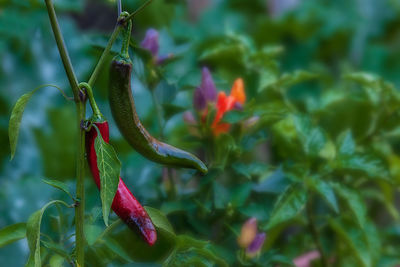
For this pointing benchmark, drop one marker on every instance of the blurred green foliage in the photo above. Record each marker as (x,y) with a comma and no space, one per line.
(319,168)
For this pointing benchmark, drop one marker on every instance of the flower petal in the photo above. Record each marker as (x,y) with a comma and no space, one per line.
(237,91)
(150,42)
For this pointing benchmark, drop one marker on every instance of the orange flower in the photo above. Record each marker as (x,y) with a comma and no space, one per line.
(226,103)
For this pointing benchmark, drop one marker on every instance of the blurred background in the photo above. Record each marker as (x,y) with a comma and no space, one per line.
(321,36)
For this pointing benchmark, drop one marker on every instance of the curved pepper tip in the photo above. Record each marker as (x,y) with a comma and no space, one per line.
(202,168)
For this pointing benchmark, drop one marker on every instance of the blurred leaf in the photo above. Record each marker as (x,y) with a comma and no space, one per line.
(367,165)
(160,220)
(221,196)
(109,170)
(33,234)
(325,190)
(16,116)
(59,185)
(56,261)
(171,110)
(120,242)
(289,204)
(274,183)
(360,242)
(251,169)
(346,143)
(354,202)
(12,233)
(290,79)
(312,138)
(92,233)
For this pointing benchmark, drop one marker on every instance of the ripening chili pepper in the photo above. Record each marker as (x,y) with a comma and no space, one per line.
(124,113)
(124,204)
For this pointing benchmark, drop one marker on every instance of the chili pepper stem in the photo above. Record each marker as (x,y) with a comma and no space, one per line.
(125,41)
(92,101)
(80,190)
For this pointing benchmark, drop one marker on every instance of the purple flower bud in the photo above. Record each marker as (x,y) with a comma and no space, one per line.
(199,101)
(150,42)
(207,86)
(256,245)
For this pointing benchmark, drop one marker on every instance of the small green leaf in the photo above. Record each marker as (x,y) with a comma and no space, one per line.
(16,116)
(159,220)
(109,170)
(12,233)
(289,205)
(33,234)
(354,202)
(59,185)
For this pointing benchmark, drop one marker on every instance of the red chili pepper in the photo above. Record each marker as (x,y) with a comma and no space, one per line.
(124,204)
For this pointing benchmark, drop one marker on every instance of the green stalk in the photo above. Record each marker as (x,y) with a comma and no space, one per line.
(80,107)
(92,101)
(126,40)
(105,53)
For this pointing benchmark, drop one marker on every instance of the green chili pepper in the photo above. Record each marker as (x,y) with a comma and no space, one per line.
(124,113)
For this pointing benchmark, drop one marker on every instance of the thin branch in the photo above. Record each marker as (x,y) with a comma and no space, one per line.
(138,10)
(80,106)
(62,49)
(105,53)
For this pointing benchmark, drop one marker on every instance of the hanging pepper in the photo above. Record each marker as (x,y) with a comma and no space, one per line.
(124,113)
(125,205)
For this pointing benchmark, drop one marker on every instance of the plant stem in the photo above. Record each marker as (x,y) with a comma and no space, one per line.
(80,106)
(62,50)
(105,53)
(314,233)
(138,10)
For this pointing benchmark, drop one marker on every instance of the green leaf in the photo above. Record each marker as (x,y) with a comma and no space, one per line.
(109,170)
(12,233)
(325,190)
(289,205)
(346,143)
(366,164)
(234,116)
(354,202)
(92,233)
(120,242)
(59,185)
(312,138)
(364,244)
(16,116)
(171,110)
(298,76)
(33,234)
(159,220)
